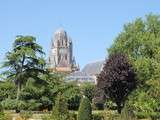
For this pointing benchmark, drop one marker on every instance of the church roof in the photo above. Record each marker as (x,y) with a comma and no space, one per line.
(93,68)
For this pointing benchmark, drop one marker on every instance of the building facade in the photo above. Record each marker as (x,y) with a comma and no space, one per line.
(88,74)
(61,54)
(61,60)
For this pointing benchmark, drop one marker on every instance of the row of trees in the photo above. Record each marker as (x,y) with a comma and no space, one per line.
(28,85)
(130,76)
(134,62)
(140,41)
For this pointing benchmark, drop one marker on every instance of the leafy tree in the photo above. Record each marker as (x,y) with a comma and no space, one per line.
(117,79)
(88,90)
(72,93)
(7,89)
(85,110)
(140,40)
(24,61)
(60,110)
(36,96)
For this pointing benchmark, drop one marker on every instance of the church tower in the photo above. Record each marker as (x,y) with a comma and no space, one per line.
(61,54)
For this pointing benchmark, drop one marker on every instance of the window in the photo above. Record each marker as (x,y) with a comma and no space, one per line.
(65,57)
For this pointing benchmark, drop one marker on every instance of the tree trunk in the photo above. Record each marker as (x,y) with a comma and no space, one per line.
(18,90)
(17,97)
(119,108)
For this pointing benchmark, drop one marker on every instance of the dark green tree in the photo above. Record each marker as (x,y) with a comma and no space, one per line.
(24,61)
(88,90)
(60,110)
(7,89)
(85,110)
(117,79)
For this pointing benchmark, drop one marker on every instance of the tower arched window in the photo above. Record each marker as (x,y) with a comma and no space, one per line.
(66,43)
(62,42)
(58,43)
(65,57)
(59,57)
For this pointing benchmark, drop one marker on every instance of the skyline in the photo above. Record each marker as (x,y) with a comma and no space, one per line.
(92,25)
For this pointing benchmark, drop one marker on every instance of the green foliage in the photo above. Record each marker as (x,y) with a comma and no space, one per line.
(7,89)
(60,110)
(1,108)
(3,116)
(74,102)
(140,40)
(10,104)
(117,79)
(26,115)
(85,110)
(72,94)
(24,61)
(97,116)
(88,90)
(110,105)
(151,115)
(36,96)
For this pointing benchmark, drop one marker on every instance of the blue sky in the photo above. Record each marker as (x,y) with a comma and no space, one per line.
(92,24)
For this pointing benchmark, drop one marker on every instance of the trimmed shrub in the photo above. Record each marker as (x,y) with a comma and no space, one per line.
(73,102)
(85,110)
(88,90)
(97,116)
(60,110)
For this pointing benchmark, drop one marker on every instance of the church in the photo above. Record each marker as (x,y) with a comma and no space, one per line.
(61,60)
(61,54)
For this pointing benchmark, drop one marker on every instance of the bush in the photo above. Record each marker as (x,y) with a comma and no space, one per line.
(97,116)
(110,105)
(4,116)
(60,110)
(88,90)
(152,115)
(1,113)
(26,115)
(98,106)
(10,104)
(73,102)
(85,110)
(73,95)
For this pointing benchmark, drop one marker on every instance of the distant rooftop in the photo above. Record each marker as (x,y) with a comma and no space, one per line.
(93,68)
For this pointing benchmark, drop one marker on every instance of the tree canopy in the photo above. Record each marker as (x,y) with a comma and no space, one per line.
(117,79)
(24,61)
(140,40)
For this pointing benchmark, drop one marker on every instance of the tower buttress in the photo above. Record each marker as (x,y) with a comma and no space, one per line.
(61,54)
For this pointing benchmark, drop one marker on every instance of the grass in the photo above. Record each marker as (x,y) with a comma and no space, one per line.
(107,114)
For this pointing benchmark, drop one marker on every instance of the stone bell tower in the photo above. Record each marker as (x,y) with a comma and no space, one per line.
(61,54)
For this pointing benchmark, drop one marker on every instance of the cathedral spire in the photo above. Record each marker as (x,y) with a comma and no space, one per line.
(61,55)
